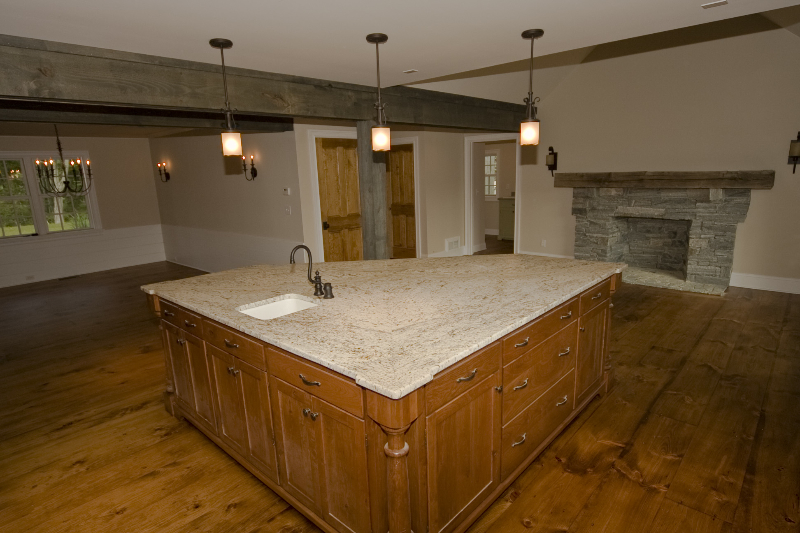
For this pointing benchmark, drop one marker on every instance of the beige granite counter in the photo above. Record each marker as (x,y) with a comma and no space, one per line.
(392,324)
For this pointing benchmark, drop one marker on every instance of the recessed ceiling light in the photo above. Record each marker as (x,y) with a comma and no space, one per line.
(714,4)
(410,71)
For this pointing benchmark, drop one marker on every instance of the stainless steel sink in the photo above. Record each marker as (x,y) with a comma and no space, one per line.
(277,307)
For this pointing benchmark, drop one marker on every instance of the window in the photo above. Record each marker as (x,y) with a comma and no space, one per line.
(27,209)
(490,174)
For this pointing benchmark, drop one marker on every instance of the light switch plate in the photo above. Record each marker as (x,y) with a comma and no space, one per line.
(288,210)
(287,191)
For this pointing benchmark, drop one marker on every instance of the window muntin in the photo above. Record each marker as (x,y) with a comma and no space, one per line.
(490,174)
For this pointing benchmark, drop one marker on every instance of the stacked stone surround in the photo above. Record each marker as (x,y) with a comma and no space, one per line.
(602,226)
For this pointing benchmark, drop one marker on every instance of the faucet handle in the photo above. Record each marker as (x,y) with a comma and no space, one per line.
(328,291)
(318,285)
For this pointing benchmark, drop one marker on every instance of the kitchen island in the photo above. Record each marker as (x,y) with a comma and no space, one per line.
(411,400)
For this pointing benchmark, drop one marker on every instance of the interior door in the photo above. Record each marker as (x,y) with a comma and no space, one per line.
(339,200)
(400,196)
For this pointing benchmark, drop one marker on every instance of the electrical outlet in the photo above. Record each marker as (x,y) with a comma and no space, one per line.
(544,243)
(287,191)
(288,210)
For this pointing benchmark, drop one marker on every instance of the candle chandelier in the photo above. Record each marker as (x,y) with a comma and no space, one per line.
(529,128)
(59,179)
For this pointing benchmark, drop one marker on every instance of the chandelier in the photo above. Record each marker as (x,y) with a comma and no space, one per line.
(59,179)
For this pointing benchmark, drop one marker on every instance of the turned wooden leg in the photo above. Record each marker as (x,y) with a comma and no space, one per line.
(396,451)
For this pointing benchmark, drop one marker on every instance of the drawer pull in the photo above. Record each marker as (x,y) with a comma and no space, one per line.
(189,324)
(562,354)
(562,402)
(306,411)
(523,343)
(313,415)
(168,313)
(568,315)
(520,441)
(232,371)
(230,344)
(597,296)
(181,341)
(309,383)
(468,378)
(524,384)
(499,388)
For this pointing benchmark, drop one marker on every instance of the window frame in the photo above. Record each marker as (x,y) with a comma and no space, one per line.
(496,154)
(43,233)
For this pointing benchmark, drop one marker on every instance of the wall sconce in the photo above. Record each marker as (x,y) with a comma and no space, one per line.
(162,171)
(253,170)
(794,153)
(552,161)
(381,136)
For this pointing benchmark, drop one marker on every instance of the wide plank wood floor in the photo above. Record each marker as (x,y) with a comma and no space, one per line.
(700,433)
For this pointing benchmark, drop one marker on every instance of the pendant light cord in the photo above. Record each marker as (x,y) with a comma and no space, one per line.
(379,105)
(229,122)
(530,84)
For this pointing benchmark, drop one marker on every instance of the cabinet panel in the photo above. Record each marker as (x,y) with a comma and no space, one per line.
(462,376)
(234,343)
(260,445)
(592,341)
(179,360)
(463,454)
(595,296)
(229,396)
(201,382)
(529,336)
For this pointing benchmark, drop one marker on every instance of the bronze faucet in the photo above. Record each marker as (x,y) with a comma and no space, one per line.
(325,290)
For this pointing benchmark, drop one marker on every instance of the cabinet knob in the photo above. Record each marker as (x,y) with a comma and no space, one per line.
(181,341)
(232,371)
(583,328)
(313,415)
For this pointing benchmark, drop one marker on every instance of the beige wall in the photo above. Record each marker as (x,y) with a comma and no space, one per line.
(126,194)
(442,187)
(675,104)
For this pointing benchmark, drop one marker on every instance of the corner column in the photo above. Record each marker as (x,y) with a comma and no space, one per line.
(372,190)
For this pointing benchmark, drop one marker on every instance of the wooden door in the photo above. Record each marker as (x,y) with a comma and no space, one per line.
(229,399)
(400,195)
(204,401)
(343,468)
(463,454)
(260,444)
(178,360)
(339,200)
(297,443)
(592,344)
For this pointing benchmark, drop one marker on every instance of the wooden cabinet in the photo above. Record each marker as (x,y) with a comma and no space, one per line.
(178,366)
(592,347)
(463,454)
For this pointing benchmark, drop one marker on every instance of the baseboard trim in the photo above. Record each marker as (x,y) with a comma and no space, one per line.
(491,232)
(478,247)
(452,253)
(546,255)
(765,283)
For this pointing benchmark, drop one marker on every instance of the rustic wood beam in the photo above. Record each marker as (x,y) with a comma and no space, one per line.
(372,188)
(44,71)
(745,179)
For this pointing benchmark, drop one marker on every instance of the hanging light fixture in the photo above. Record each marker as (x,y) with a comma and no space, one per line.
(381,136)
(231,140)
(58,179)
(529,128)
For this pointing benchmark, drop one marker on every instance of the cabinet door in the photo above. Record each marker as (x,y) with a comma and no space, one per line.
(201,382)
(297,443)
(227,381)
(178,358)
(463,454)
(592,342)
(260,443)
(343,468)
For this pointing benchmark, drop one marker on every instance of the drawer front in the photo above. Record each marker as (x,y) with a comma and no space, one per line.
(531,375)
(595,296)
(315,380)
(529,336)
(182,318)
(462,376)
(248,350)
(531,427)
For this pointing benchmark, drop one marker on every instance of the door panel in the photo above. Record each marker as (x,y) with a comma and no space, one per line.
(258,420)
(591,350)
(229,397)
(201,381)
(181,371)
(400,195)
(339,199)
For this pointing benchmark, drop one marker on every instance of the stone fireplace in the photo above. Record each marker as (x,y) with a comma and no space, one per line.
(679,235)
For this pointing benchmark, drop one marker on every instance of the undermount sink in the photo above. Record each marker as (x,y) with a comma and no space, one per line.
(277,307)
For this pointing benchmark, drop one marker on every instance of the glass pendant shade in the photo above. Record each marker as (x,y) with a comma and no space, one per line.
(381,139)
(529,133)
(231,143)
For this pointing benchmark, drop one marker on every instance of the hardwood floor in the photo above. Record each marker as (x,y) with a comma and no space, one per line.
(496,246)
(700,433)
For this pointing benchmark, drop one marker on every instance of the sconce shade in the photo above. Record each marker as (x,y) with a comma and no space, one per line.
(529,133)
(381,139)
(231,143)
(794,149)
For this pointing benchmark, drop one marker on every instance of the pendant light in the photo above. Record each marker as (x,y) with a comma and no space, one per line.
(529,128)
(381,137)
(231,140)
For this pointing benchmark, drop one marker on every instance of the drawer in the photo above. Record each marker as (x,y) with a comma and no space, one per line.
(532,334)
(595,296)
(248,350)
(183,318)
(529,376)
(462,376)
(314,379)
(525,433)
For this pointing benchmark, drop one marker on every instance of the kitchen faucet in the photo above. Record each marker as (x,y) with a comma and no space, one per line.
(325,290)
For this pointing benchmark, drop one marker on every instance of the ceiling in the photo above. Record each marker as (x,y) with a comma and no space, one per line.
(325,39)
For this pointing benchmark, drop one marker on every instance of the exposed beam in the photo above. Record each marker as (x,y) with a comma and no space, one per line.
(745,179)
(372,188)
(46,71)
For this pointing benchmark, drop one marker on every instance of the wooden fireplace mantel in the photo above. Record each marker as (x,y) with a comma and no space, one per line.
(726,179)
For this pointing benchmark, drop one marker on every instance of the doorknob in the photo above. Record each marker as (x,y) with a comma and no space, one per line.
(325,225)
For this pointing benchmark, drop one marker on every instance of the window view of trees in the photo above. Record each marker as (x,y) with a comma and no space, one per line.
(16,217)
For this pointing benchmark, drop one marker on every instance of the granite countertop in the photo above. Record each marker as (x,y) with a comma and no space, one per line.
(393,324)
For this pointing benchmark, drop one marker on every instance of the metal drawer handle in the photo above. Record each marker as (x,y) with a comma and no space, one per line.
(598,295)
(232,371)
(189,324)
(230,344)
(181,341)
(168,313)
(468,378)
(524,384)
(568,315)
(520,441)
(562,354)
(523,343)
(562,402)
(309,383)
